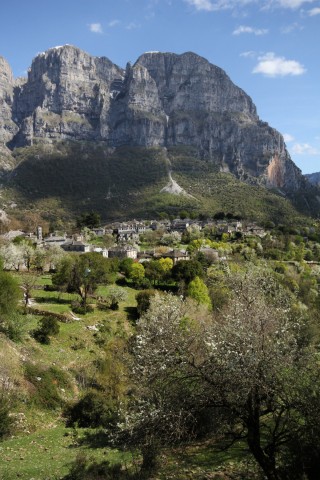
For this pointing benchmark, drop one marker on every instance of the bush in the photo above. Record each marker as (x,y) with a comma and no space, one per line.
(81,309)
(12,327)
(144,283)
(93,410)
(49,288)
(47,327)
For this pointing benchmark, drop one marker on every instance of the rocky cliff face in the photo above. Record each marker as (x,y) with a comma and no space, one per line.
(67,95)
(164,99)
(313,178)
(7,126)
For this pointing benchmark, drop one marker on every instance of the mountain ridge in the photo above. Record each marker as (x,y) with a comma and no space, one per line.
(164,100)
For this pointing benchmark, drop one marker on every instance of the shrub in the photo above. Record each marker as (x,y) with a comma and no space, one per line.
(12,327)
(47,327)
(49,288)
(81,309)
(93,410)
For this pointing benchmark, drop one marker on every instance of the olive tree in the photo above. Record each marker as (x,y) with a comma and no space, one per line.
(239,373)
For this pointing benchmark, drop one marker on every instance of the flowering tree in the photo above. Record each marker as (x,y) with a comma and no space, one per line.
(12,256)
(234,372)
(116,295)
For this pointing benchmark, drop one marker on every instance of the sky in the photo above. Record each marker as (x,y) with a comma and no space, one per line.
(269,48)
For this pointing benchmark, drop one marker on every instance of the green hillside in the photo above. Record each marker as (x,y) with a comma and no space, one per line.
(64,179)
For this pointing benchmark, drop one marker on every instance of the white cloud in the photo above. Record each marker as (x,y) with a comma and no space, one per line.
(216,5)
(245,29)
(201,5)
(290,28)
(95,27)
(272,66)
(288,138)
(249,54)
(304,149)
(132,26)
(291,3)
(113,23)
(314,11)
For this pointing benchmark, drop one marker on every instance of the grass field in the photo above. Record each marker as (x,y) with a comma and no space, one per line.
(48,454)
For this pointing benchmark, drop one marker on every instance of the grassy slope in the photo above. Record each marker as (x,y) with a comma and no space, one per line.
(48,454)
(42,447)
(62,181)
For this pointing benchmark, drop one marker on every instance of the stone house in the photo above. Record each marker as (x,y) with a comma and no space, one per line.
(125,251)
(176,255)
(55,239)
(76,246)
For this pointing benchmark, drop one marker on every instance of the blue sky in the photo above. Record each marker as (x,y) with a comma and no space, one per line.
(270,48)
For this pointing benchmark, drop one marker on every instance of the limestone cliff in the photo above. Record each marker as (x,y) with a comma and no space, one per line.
(67,95)
(8,128)
(164,100)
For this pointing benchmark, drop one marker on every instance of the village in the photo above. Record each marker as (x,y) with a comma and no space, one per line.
(140,240)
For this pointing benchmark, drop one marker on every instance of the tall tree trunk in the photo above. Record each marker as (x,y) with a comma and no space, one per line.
(266,462)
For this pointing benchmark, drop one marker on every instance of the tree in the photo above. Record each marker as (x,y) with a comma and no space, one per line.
(28,283)
(198,290)
(159,270)
(26,249)
(196,245)
(136,273)
(143,300)
(187,270)
(241,372)
(125,266)
(12,256)
(173,238)
(153,271)
(40,259)
(90,220)
(82,274)
(54,254)
(116,295)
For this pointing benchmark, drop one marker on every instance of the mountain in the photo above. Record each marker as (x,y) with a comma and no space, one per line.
(72,102)
(313,178)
